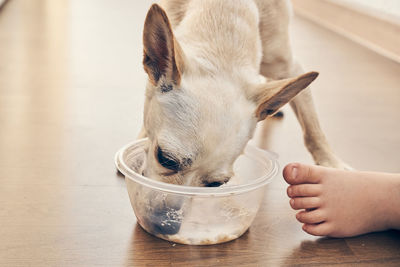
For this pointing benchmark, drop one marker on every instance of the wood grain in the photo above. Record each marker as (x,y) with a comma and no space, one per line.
(376,30)
(71,94)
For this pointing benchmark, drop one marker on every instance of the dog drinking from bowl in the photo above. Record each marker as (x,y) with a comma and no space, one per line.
(216,68)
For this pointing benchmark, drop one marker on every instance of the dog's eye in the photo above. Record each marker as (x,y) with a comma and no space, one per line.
(167,161)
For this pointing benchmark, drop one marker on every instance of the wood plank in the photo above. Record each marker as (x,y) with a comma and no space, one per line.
(374,32)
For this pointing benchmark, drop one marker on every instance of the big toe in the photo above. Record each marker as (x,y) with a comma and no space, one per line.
(298,173)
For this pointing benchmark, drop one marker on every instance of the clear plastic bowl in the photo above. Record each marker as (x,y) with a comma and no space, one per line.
(197,215)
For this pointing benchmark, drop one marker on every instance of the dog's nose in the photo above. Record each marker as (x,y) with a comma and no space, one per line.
(213,184)
(218,182)
(165,216)
(165,222)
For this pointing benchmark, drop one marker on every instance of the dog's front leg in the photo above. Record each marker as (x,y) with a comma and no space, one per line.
(303,107)
(142,133)
(314,138)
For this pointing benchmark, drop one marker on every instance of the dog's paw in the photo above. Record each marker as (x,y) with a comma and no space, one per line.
(334,162)
(337,165)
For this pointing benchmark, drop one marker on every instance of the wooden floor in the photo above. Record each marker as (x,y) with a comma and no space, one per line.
(71,94)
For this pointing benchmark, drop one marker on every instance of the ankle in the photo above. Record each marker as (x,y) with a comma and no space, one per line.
(389,199)
(393,198)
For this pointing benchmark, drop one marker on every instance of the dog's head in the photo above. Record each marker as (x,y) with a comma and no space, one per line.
(198,122)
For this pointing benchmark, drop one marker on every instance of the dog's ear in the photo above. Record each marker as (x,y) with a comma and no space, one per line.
(162,54)
(271,96)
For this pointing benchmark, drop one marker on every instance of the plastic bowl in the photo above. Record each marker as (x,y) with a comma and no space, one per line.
(197,215)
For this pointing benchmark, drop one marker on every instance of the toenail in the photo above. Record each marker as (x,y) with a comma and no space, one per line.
(294,172)
(290,191)
(292,202)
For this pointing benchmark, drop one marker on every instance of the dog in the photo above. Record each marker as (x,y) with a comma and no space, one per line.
(205,60)
(215,68)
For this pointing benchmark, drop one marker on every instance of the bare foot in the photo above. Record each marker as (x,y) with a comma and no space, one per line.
(341,203)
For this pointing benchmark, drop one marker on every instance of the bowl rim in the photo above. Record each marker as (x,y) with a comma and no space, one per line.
(199,191)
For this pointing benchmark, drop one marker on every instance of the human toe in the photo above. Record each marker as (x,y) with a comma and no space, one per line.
(321,229)
(298,173)
(305,203)
(311,217)
(304,190)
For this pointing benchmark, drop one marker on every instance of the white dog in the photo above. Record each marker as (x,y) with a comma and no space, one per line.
(207,61)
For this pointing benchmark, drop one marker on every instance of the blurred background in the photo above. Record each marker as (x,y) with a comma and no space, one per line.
(77,64)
